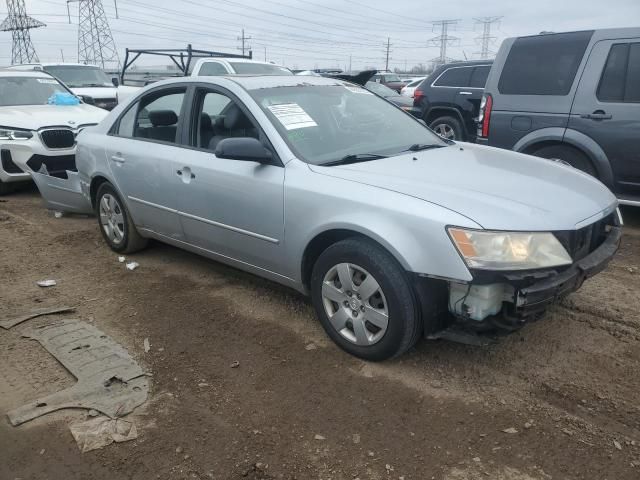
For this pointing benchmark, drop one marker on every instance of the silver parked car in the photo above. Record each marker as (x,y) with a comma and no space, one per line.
(323,186)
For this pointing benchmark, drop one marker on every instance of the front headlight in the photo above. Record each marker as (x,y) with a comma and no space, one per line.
(7,133)
(488,250)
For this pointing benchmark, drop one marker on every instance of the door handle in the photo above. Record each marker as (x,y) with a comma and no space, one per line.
(188,174)
(597,115)
(466,93)
(117,158)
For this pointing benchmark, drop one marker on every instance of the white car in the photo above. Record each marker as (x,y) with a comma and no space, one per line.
(86,81)
(215,66)
(409,89)
(36,136)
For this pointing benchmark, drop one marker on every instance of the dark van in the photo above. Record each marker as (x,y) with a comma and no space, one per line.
(573,97)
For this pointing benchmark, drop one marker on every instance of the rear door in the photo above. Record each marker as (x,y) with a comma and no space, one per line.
(140,152)
(607,108)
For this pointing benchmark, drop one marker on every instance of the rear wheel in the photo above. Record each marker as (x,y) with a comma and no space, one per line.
(448,127)
(115,222)
(364,300)
(570,155)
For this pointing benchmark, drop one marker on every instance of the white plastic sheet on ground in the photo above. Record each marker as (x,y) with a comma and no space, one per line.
(101,431)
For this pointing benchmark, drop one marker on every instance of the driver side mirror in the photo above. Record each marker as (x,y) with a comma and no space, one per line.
(248,149)
(115,81)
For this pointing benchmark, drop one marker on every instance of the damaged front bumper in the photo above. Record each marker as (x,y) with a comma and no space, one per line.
(509,299)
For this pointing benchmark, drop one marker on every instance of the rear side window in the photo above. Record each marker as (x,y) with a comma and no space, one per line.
(544,64)
(620,81)
(455,77)
(479,77)
(212,69)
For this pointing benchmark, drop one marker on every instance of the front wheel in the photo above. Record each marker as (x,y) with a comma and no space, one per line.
(364,300)
(115,222)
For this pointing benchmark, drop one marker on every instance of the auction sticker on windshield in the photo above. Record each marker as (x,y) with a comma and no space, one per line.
(292,116)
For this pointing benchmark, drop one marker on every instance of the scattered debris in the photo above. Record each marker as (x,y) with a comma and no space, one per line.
(476,459)
(147,345)
(203,384)
(42,451)
(109,380)
(122,259)
(617,444)
(235,364)
(101,431)
(12,322)
(528,424)
(58,214)
(179,449)
(510,430)
(319,437)
(356,438)
(46,283)
(132,265)
(632,269)
(566,431)
(310,346)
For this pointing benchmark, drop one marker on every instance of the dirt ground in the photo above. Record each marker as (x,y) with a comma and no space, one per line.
(297,406)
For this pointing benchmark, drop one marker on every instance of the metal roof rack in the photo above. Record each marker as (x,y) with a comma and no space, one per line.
(181,57)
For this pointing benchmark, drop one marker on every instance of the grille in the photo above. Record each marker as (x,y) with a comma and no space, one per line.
(580,243)
(7,162)
(58,138)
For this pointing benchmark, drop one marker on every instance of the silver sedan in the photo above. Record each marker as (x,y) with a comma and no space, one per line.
(325,187)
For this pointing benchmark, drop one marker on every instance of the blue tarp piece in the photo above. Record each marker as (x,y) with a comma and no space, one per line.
(63,98)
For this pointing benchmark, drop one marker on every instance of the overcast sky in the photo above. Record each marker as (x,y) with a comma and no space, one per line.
(318,33)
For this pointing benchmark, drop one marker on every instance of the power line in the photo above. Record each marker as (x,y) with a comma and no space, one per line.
(95,41)
(19,24)
(485,39)
(444,39)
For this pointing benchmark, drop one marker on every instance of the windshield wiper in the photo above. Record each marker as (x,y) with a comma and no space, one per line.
(417,147)
(354,158)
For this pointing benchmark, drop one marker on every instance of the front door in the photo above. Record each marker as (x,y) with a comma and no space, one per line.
(231,208)
(140,153)
(607,108)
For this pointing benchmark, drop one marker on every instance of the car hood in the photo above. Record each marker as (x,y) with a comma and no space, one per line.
(96,92)
(497,189)
(33,117)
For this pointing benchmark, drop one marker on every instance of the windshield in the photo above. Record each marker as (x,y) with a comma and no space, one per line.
(381,90)
(27,90)
(322,124)
(391,78)
(80,75)
(259,69)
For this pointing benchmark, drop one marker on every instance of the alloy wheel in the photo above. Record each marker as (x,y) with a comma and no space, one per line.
(111,218)
(355,304)
(445,131)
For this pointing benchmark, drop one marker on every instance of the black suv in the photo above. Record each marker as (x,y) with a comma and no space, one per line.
(570,96)
(448,100)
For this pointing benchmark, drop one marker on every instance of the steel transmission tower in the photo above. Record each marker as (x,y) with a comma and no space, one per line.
(443,40)
(19,24)
(95,42)
(486,39)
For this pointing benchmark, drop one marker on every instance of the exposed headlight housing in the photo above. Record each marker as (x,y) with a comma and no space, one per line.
(494,250)
(7,133)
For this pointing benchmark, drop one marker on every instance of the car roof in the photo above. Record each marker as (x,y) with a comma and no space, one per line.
(254,82)
(69,64)
(234,60)
(24,73)
(602,33)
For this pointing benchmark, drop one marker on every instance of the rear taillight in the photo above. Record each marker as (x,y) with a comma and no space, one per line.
(485,115)
(417,97)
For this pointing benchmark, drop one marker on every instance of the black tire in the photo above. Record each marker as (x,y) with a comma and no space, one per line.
(448,124)
(570,155)
(404,326)
(4,188)
(131,240)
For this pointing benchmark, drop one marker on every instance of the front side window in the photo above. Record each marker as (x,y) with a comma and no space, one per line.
(212,69)
(620,81)
(219,117)
(28,90)
(543,64)
(391,78)
(158,115)
(324,123)
(79,75)
(455,77)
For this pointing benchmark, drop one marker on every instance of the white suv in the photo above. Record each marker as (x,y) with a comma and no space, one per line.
(236,66)
(34,135)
